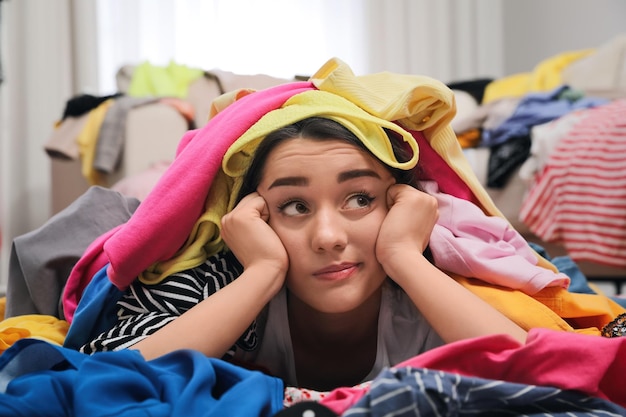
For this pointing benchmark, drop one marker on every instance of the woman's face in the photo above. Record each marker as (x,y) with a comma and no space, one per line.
(327,201)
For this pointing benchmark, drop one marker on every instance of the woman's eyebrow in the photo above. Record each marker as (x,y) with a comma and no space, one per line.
(356,173)
(342,177)
(293,181)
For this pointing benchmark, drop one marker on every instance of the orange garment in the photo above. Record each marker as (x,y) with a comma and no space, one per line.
(183,107)
(469,138)
(39,326)
(552,308)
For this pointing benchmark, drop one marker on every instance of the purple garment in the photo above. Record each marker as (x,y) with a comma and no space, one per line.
(535,109)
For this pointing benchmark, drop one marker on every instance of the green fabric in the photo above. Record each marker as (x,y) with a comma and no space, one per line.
(156,81)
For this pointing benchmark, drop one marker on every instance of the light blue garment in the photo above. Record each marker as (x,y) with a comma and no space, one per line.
(579,282)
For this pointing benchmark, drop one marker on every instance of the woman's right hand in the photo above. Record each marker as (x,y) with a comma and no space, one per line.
(214,324)
(247,233)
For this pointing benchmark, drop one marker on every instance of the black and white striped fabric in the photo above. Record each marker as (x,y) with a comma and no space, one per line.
(146,308)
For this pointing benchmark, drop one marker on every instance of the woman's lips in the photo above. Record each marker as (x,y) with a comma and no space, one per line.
(337,272)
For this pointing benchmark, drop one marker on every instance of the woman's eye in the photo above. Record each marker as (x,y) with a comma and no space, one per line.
(293,208)
(359,201)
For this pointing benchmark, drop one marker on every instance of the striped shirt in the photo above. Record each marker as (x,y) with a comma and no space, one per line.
(579,198)
(144,309)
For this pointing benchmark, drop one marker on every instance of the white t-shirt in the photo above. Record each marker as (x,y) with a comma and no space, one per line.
(402,333)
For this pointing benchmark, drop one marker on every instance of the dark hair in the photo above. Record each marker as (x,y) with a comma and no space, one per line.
(322,129)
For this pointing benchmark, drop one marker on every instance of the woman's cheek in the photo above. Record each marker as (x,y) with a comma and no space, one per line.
(287,236)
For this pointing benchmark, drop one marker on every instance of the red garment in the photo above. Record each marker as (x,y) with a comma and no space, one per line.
(92,261)
(432,167)
(593,365)
(579,198)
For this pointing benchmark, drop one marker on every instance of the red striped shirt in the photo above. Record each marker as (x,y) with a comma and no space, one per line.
(579,198)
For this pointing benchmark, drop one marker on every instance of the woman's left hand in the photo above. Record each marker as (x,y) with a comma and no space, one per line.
(453,311)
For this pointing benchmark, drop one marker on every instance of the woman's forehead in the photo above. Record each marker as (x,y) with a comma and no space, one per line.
(304,157)
(304,149)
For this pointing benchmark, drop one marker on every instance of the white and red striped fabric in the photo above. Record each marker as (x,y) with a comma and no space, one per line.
(579,198)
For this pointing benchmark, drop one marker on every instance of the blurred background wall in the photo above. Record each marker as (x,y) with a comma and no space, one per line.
(51,50)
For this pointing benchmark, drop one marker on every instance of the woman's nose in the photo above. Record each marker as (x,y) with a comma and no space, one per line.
(328,231)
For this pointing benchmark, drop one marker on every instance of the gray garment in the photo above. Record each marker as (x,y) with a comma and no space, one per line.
(41,260)
(112,134)
(402,333)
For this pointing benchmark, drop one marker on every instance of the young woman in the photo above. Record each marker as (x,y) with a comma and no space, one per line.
(329,249)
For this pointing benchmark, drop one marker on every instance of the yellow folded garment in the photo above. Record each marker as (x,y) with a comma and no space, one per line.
(514,85)
(416,102)
(88,140)
(219,103)
(365,126)
(546,76)
(44,327)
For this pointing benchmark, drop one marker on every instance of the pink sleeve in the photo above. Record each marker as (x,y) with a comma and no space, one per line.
(178,198)
(587,363)
(90,262)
